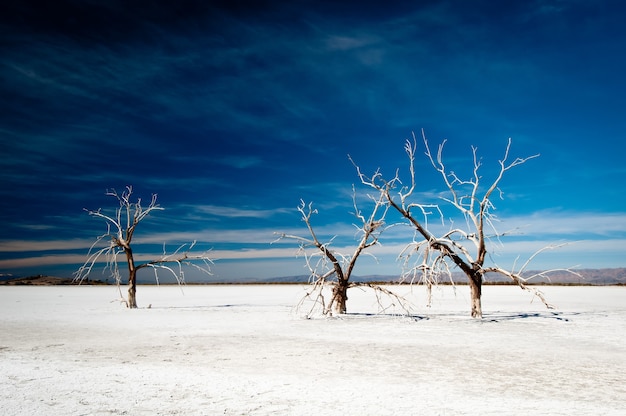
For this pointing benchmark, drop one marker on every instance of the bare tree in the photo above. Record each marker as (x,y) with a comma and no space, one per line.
(121,228)
(462,248)
(329,267)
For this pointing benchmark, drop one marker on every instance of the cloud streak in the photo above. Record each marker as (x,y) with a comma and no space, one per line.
(262,244)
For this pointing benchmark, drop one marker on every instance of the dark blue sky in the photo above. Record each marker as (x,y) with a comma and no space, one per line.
(232,111)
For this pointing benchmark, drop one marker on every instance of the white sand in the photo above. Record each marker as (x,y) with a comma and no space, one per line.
(241,350)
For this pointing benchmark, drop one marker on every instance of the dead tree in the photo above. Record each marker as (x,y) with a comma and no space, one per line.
(329,267)
(463,248)
(121,227)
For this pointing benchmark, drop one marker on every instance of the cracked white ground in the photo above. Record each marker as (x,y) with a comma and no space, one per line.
(243,350)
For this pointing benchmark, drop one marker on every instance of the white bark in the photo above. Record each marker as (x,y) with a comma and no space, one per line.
(120,232)
(330,269)
(430,258)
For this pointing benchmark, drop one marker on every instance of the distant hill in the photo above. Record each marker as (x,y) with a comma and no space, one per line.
(41,280)
(587,277)
(615,276)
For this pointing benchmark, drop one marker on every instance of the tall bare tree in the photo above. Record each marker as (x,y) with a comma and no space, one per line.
(462,248)
(329,267)
(121,227)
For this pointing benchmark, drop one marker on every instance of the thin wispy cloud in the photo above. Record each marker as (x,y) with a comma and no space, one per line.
(29,246)
(234,212)
(241,162)
(569,224)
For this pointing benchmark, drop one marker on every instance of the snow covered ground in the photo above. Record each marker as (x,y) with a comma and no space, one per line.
(243,350)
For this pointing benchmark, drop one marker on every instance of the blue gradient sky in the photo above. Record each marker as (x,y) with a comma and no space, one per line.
(233,111)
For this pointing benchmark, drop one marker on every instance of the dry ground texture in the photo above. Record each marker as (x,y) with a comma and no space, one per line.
(243,350)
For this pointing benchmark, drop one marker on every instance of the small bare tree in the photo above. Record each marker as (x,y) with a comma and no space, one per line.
(329,267)
(121,228)
(438,254)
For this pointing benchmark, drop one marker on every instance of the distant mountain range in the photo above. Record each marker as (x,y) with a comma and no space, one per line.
(587,277)
(41,280)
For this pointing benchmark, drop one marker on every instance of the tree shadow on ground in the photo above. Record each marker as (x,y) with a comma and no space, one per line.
(208,307)
(508,316)
(413,317)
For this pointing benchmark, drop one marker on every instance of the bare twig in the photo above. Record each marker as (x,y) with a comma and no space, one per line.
(429,257)
(329,268)
(121,228)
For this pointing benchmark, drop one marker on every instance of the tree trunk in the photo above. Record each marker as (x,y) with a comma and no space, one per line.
(475,283)
(132,290)
(340,296)
(132,278)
